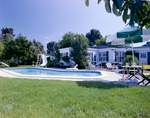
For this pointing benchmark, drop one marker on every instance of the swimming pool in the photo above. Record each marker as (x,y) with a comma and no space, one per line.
(54,73)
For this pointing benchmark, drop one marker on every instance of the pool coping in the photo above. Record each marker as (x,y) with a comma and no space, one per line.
(57,77)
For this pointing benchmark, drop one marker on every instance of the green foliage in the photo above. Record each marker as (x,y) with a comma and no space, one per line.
(6,37)
(66,59)
(1,47)
(67,41)
(129,57)
(100,41)
(51,63)
(36,48)
(7,34)
(93,35)
(3,66)
(129,52)
(22,48)
(136,11)
(52,49)
(18,48)
(30,98)
(7,31)
(79,51)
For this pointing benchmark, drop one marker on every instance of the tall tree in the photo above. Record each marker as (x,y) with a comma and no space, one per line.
(22,48)
(79,51)
(137,11)
(40,47)
(7,31)
(9,50)
(101,41)
(36,48)
(1,47)
(93,35)
(67,41)
(52,49)
(7,34)
(18,49)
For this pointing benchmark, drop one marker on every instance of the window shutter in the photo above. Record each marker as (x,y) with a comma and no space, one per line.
(115,57)
(66,53)
(137,55)
(107,55)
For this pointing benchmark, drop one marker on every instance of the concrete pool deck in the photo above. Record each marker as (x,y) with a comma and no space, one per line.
(108,77)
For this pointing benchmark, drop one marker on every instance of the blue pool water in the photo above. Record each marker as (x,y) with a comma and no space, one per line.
(50,72)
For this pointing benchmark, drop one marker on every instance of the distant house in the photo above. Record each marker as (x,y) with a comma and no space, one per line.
(105,54)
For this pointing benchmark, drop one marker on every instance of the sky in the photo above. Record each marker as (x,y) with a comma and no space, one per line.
(49,20)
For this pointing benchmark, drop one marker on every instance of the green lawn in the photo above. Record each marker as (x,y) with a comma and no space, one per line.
(49,98)
(20,66)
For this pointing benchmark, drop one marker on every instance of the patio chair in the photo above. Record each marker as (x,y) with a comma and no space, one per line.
(145,75)
(131,71)
(74,68)
(110,66)
(91,66)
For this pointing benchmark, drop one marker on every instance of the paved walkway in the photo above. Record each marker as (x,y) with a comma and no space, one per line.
(108,77)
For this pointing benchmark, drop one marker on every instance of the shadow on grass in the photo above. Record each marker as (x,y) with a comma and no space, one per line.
(99,85)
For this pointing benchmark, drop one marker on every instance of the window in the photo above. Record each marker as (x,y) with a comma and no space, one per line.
(143,55)
(119,56)
(102,56)
(90,56)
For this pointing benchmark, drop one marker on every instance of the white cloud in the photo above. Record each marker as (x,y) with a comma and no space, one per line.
(46,37)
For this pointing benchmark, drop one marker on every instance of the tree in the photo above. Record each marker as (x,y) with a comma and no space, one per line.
(67,41)
(137,11)
(79,51)
(36,48)
(22,48)
(9,49)
(38,45)
(7,31)
(1,47)
(93,35)
(101,41)
(18,49)
(7,34)
(52,49)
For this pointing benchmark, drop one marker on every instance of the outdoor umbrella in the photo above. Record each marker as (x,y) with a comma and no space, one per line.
(129,35)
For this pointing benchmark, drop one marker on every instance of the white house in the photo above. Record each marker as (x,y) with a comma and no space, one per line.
(102,53)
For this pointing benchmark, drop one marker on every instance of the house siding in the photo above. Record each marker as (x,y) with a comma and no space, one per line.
(112,54)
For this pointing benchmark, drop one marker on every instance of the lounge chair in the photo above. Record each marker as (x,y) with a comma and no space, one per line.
(74,68)
(91,66)
(145,76)
(110,66)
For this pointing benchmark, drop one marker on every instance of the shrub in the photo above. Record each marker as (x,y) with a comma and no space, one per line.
(66,59)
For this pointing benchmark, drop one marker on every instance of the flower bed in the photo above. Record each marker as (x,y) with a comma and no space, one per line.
(13,65)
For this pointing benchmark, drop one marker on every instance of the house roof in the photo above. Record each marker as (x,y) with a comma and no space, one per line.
(104,46)
(99,47)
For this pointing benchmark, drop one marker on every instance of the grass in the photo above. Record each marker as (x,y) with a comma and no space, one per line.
(20,66)
(3,66)
(49,98)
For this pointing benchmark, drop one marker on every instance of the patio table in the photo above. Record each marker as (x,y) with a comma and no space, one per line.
(126,68)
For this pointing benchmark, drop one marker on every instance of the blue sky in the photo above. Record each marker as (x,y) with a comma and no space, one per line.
(49,20)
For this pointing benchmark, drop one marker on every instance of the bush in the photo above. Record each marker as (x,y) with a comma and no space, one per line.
(13,65)
(66,59)
(51,63)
